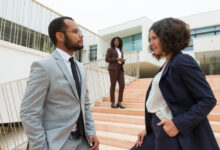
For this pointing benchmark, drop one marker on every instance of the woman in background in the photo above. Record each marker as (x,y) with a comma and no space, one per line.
(179,97)
(115,59)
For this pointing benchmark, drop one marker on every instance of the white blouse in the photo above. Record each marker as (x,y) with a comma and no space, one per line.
(156,103)
(119,52)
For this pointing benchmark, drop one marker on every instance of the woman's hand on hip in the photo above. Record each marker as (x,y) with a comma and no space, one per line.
(169,127)
(140,138)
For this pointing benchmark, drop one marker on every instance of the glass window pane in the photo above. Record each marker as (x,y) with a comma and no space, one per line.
(218,33)
(127,43)
(217,27)
(193,36)
(205,34)
(93,53)
(137,42)
(191,42)
(205,29)
(193,31)
(190,48)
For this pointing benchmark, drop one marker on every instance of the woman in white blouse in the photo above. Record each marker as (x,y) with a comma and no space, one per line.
(179,97)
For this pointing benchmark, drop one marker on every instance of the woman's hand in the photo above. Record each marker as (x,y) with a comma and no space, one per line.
(121,60)
(169,127)
(140,138)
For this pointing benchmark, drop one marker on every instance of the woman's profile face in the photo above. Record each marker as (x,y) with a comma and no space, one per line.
(116,42)
(155,43)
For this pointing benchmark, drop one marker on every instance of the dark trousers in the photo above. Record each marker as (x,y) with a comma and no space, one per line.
(158,139)
(117,75)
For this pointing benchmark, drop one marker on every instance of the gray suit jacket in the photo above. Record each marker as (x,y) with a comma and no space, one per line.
(51,106)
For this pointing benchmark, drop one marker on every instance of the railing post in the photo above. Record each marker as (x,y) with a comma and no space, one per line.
(138,65)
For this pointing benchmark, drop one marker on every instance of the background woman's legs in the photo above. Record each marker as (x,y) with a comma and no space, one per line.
(121,82)
(113,79)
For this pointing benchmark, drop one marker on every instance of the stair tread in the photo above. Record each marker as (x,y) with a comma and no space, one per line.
(135,109)
(214,122)
(107,147)
(120,124)
(217,134)
(110,115)
(116,136)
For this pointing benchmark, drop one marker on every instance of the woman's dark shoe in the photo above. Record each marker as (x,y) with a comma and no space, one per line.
(120,106)
(113,106)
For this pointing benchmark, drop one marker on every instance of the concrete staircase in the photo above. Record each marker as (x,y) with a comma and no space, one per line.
(117,129)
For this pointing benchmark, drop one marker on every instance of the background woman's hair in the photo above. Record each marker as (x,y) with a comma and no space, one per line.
(174,35)
(120,43)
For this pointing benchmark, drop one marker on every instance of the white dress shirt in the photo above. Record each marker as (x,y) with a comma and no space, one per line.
(156,102)
(66,58)
(119,52)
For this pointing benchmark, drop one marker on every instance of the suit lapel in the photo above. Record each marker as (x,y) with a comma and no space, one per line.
(166,69)
(115,51)
(168,64)
(62,66)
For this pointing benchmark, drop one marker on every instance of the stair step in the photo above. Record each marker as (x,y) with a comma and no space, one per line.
(215,126)
(137,100)
(134,91)
(116,139)
(133,95)
(214,117)
(126,104)
(123,128)
(119,118)
(136,112)
(216,109)
(107,147)
(217,136)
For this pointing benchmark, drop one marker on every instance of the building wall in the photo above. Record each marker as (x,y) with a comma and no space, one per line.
(27,13)
(211,43)
(201,20)
(15,61)
(27,24)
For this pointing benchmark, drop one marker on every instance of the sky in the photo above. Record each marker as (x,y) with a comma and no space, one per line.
(99,14)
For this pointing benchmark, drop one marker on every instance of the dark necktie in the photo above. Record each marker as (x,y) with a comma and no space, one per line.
(80,124)
(75,76)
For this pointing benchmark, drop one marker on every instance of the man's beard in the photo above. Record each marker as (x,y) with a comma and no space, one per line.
(72,47)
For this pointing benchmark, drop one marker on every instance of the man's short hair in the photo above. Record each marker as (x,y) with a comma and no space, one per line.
(57,25)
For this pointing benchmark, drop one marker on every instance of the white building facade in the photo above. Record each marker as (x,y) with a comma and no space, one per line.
(204,45)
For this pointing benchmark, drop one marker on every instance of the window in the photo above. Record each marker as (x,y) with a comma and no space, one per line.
(193,31)
(137,42)
(193,36)
(189,48)
(127,43)
(205,34)
(21,35)
(207,29)
(93,52)
(133,42)
(217,28)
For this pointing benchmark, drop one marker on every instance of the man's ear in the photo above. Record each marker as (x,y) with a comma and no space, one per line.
(60,36)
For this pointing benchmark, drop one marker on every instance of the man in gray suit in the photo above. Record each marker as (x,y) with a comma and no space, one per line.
(55,110)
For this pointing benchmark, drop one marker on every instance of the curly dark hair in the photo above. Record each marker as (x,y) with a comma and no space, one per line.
(120,43)
(174,35)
